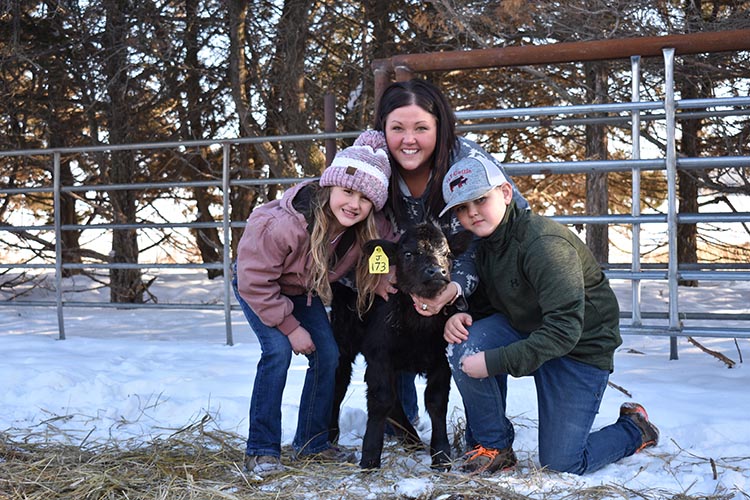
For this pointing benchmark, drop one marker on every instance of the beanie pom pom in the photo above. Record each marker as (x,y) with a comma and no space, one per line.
(373,138)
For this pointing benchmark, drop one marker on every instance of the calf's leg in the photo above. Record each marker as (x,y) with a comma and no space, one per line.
(404,429)
(380,401)
(436,401)
(347,328)
(343,379)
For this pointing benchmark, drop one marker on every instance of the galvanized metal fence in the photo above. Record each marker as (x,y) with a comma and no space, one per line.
(669,324)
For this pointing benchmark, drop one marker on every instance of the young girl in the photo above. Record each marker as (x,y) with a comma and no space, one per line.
(290,252)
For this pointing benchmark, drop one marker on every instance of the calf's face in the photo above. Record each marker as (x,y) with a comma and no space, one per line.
(422,257)
(423,261)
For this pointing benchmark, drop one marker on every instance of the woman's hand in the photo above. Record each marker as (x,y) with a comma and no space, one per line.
(301,341)
(429,307)
(387,284)
(455,330)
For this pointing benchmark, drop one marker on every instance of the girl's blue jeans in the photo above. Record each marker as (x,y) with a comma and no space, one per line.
(568,396)
(313,421)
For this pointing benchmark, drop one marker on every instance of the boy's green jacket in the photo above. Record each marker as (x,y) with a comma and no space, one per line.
(545,280)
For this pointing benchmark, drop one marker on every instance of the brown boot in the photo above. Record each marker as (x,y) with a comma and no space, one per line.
(488,460)
(263,465)
(649,432)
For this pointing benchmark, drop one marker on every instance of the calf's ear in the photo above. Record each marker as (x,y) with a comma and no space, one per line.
(460,242)
(388,247)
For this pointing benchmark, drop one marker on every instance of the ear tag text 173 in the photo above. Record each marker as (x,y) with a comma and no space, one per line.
(378,262)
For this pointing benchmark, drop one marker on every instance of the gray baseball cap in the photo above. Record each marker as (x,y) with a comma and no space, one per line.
(470,178)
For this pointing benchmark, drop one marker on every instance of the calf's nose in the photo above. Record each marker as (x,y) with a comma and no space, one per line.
(435,272)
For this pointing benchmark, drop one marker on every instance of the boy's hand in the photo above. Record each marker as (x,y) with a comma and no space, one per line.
(301,341)
(475,366)
(455,330)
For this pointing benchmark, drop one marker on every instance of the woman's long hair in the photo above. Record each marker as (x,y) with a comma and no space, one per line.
(323,259)
(428,97)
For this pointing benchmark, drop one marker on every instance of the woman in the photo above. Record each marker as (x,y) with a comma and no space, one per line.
(420,131)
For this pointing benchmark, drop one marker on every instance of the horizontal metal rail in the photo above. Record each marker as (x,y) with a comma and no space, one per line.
(182,144)
(617,120)
(684,331)
(564,219)
(514,169)
(618,107)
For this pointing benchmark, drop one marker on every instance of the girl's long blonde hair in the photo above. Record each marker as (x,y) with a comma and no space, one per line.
(320,250)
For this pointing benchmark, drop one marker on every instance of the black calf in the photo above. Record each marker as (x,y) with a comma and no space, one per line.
(393,338)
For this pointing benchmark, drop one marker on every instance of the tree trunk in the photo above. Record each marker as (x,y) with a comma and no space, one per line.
(240,80)
(287,109)
(125,284)
(597,199)
(243,200)
(207,239)
(59,118)
(687,234)
(71,247)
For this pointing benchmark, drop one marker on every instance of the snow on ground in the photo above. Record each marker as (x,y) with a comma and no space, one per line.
(138,374)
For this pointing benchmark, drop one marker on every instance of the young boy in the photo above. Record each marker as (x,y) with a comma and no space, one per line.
(543,308)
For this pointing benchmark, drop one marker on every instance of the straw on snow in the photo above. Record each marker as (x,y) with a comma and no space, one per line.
(197,462)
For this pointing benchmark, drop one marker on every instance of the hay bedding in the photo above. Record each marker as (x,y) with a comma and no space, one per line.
(199,463)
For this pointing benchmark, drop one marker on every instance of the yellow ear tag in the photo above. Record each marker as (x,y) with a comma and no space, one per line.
(378,262)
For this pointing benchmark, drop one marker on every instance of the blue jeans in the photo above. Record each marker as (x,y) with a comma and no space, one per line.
(407,393)
(264,435)
(568,395)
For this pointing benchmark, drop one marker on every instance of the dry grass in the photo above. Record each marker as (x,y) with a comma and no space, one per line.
(199,463)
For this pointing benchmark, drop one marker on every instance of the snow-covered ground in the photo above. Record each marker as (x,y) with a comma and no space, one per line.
(139,374)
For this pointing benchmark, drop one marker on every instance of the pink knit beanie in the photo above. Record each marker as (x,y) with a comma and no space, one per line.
(363,167)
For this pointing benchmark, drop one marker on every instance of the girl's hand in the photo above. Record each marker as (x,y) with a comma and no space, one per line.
(387,284)
(428,307)
(455,330)
(475,366)
(301,341)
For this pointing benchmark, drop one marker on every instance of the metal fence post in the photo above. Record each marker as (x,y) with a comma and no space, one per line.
(671,159)
(58,244)
(635,264)
(226,226)
(329,114)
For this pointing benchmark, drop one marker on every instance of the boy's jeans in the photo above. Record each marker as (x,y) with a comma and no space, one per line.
(568,395)
(264,436)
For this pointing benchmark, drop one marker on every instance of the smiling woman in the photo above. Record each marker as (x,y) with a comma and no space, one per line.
(420,131)
(411,133)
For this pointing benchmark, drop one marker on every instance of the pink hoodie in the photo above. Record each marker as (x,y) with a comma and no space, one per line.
(273,260)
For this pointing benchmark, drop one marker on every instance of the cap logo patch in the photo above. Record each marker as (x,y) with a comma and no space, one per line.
(350,170)
(457,183)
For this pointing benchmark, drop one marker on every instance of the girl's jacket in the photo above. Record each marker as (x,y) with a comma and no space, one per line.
(274,261)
